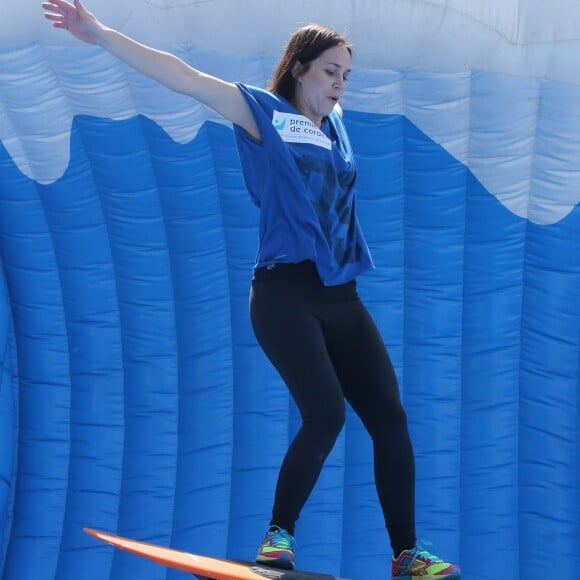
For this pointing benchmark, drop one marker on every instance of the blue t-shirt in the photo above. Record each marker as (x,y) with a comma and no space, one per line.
(302,179)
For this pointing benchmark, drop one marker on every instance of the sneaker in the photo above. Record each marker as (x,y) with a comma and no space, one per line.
(419,563)
(277,549)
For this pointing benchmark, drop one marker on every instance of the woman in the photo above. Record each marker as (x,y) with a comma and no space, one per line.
(299,169)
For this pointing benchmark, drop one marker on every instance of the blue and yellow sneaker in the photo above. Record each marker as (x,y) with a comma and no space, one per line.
(277,549)
(419,563)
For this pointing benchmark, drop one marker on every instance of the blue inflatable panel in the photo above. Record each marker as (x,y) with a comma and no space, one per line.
(133,395)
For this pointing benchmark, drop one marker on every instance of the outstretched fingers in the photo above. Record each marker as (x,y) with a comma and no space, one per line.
(58,4)
(72,17)
(55,11)
(62,9)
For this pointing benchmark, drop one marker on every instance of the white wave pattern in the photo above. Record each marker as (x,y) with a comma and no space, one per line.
(519,136)
(515,128)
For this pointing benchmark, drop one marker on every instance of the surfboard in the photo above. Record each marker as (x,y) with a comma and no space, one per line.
(205,567)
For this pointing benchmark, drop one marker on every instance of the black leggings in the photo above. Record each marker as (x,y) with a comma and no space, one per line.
(326,347)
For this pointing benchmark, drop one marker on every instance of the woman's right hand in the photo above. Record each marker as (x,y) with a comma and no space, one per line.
(223,97)
(74,18)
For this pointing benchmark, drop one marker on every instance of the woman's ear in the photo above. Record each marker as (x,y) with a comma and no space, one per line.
(296,70)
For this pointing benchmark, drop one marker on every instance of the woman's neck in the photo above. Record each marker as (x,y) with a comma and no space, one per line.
(315,120)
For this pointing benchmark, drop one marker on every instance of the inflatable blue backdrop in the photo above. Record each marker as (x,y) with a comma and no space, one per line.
(133,395)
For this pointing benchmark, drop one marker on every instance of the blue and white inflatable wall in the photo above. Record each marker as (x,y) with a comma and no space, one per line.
(133,396)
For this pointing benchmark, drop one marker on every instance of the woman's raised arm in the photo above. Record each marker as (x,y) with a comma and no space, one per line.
(223,97)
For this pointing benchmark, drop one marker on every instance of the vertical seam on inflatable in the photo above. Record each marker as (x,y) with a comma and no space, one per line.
(404,122)
(5,517)
(228,277)
(175,333)
(522,324)
(578,448)
(463,298)
(11,345)
(99,199)
(58,556)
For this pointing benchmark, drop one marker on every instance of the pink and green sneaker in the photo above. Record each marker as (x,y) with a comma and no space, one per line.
(277,549)
(419,563)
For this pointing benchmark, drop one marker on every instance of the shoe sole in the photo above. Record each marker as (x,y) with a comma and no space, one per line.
(279,563)
(454,576)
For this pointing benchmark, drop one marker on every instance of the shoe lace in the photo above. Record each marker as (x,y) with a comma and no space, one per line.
(282,538)
(421,550)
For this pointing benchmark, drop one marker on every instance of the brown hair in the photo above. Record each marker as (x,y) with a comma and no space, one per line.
(304,46)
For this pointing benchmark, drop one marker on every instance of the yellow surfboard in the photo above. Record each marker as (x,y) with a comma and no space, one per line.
(205,567)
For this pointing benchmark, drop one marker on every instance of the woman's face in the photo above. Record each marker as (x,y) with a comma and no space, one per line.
(319,88)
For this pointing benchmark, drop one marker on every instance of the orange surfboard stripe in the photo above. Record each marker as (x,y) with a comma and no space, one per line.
(176,559)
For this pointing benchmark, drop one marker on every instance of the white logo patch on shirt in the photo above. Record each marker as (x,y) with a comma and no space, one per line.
(298,129)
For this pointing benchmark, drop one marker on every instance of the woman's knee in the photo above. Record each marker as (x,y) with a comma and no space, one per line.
(388,422)
(327,421)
